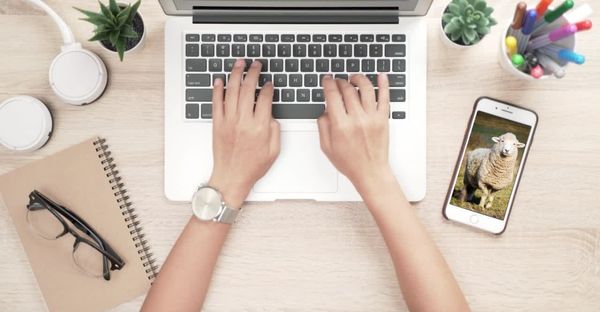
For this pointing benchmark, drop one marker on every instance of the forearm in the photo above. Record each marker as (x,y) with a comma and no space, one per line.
(424,276)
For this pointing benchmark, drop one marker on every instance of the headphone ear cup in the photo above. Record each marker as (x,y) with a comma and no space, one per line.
(78,76)
(25,123)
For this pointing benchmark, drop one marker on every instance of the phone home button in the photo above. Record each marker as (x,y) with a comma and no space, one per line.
(474,219)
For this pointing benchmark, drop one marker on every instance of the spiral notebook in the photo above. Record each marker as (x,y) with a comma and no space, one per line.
(84,179)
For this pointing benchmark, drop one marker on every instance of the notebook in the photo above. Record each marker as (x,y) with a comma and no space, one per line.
(84,179)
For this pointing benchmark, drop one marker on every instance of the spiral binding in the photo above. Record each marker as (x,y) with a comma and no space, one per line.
(128,212)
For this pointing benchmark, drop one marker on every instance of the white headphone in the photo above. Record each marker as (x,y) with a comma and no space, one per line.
(77,76)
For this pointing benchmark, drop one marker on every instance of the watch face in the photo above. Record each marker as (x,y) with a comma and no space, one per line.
(206,204)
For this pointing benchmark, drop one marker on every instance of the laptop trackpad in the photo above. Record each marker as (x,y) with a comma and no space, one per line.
(300,168)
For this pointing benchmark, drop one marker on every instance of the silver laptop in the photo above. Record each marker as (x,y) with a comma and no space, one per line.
(298,42)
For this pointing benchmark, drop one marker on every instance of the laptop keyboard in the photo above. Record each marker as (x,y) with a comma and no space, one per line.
(295,64)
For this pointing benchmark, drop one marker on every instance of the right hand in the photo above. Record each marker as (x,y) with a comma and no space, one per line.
(354,128)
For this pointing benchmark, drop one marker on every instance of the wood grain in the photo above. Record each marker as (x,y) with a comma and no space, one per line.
(303,255)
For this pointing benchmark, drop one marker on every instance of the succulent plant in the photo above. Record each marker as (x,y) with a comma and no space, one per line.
(114,24)
(467,21)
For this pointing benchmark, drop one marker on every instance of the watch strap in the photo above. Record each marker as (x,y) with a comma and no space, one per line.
(227,215)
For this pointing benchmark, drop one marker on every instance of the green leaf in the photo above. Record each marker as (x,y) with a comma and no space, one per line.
(471,1)
(447,17)
(455,36)
(123,16)
(454,8)
(492,21)
(483,21)
(463,3)
(114,7)
(121,48)
(105,11)
(129,32)
(451,27)
(100,36)
(472,26)
(470,34)
(488,11)
(95,22)
(479,5)
(114,37)
(483,30)
(134,10)
(94,16)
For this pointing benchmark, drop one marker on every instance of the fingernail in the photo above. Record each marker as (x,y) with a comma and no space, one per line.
(218,82)
(256,64)
(239,63)
(327,77)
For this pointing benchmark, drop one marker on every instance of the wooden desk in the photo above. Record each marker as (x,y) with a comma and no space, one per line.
(302,255)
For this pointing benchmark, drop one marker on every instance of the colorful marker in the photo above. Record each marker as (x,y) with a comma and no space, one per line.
(542,7)
(580,13)
(550,65)
(518,18)
(584,25)
(537,72)
(553,36)
(552,15)
(518,61)
(561,53)
(511,45)
(526,30)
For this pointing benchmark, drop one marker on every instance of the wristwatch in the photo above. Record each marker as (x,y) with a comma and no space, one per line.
(208,205)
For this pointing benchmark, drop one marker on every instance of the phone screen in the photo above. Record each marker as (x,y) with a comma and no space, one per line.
(490,164)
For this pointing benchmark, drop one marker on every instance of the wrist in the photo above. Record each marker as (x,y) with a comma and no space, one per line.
(234,193)
(379,183)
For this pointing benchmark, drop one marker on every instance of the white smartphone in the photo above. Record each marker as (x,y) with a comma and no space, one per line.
(490,165)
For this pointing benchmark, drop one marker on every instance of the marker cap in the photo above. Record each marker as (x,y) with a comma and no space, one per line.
(571,56)
(529,23)
(553,15)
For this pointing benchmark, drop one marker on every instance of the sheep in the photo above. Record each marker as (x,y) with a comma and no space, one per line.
(490,169)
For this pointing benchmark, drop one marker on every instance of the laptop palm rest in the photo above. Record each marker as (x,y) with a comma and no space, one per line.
(300,168)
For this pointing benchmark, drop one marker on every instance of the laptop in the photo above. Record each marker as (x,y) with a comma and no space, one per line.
(297,42)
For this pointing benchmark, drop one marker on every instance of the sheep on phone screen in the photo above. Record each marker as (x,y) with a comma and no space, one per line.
(491,169)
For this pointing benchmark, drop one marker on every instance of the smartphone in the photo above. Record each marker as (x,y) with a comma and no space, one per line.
(490,165)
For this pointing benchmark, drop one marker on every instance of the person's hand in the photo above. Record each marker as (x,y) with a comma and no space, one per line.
(354,128)
(245,138)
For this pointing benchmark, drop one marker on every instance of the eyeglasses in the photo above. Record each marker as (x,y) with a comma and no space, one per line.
(93,255)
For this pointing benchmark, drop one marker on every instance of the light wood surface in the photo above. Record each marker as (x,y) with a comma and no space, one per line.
(303,255)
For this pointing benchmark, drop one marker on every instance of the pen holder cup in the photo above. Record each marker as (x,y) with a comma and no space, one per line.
(506,62)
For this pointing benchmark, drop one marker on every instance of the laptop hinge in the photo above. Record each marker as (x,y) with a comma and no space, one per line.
(278,15)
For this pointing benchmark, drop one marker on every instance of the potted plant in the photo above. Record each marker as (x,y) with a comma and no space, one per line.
(119,27)
(466,22)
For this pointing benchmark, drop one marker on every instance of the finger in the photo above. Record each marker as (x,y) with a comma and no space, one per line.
(275,143)
(217,100)
(324,134)
(333,97)
(264,102)
(233,88)
(383,104)
(366,92)
(350,96)
(248,91)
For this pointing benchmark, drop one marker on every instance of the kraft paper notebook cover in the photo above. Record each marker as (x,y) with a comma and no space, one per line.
(84,179)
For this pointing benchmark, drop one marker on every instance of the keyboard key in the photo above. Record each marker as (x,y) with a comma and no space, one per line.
(291,65)
(215,65)
(253,50)
(228,64)
(337,65)
(287,38)
(298,111)
(195,65)
(224,38)
(198,95)
(223,78)
(345,50)
(192,111)
(208,38)
(256,38)
(367,38)
(373,79)
(398,38)
(341,76)
(321,79)
(191,49)
(207,49)
(238,50)
(263,78)
(272,38)
(197,80)
(269,50)
(322,66)
(397,95)
(397,80)
(398,115)
(375,50)
(352,65)
(276,95)
(303,95)
(287,95)
(317,95)
(351,38)
(395,50)
(280,80)
(303,38)
(360,50)
(192,37)
(314,50)
(307,65)
(206,111)
(276,65)
(311,80)
(382,38)
(299,50)
(248,63)
(383,65)
(399,66)
(295,80)
(284,49)
(330,50)
(368,65)
(222,50)
(240,38)
(335,38)
(319,38)
(265,65)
